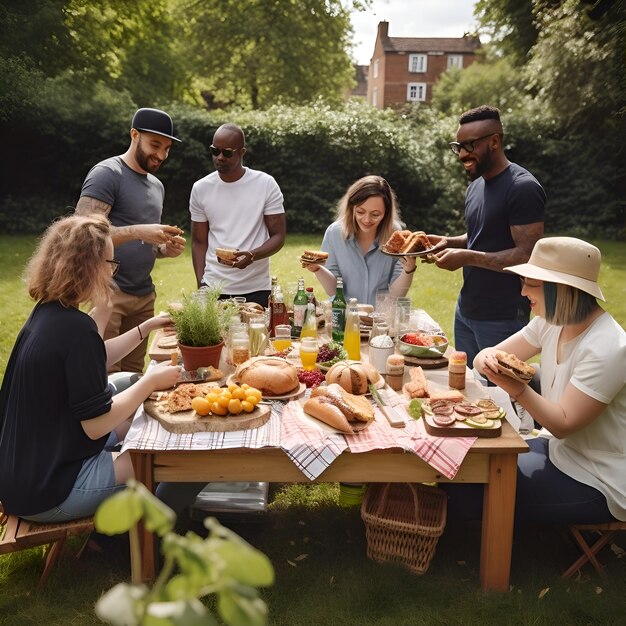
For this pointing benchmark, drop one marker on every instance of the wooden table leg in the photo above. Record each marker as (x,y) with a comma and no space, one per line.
(143,465)
(497,529)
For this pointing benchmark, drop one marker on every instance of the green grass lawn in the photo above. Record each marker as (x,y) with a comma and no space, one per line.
(318,549)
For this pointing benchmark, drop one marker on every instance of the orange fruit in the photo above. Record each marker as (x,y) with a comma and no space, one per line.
(223,400)
(234,406)
(201,406)
(253,400)
(239,393)
(248,407)
(255,392)
(218,409)
(232,387)
(211,397)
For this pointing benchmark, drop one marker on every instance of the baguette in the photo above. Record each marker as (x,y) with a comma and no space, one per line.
(334,406)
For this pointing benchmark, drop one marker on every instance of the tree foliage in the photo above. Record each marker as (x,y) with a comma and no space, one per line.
(261,52)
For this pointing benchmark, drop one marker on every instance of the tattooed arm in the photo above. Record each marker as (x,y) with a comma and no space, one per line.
(149,233)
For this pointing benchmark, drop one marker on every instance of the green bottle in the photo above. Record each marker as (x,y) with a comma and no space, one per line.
(339,312)
(299,309)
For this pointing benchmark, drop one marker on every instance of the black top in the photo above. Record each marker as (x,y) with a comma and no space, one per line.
(56,377)
(513,197)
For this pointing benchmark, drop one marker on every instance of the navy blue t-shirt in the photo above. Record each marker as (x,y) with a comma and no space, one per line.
(512,198)
(55,378)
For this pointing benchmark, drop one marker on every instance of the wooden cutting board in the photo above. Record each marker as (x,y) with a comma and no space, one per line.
(427,363)
(191,422)
(157,353)
(460,429)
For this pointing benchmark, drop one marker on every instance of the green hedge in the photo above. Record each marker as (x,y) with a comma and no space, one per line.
(314,152)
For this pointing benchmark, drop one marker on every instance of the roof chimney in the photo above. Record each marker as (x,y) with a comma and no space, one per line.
(383,30)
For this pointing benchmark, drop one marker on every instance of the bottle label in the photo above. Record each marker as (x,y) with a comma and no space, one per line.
(339,322)
(299,312)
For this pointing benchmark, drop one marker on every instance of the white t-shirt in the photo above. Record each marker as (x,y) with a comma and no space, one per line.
(235,213)
(595,363)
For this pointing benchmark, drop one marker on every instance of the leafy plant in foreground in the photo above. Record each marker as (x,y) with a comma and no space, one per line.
(222,564)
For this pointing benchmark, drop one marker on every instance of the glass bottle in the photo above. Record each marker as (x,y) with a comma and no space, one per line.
(311,296)
(309,328)
(278,312)
(270,303)
(299,308)
(352,333)
(339,312)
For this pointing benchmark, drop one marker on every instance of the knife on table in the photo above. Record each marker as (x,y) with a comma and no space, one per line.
(394,417)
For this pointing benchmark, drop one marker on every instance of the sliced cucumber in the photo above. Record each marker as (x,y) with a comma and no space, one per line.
(487,424)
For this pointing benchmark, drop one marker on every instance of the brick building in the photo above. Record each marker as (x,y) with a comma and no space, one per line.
(404,69)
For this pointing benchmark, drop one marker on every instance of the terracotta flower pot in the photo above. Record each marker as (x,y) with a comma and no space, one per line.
(193,357)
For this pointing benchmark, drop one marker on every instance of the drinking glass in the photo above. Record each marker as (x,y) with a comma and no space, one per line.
(239,300)
(282,337)
(290,293)
(402,315)
(258,335)
(308,352)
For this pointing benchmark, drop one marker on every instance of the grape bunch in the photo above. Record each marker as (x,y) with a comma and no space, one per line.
(331,351)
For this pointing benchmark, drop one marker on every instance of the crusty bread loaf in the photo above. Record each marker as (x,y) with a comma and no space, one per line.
(272,376)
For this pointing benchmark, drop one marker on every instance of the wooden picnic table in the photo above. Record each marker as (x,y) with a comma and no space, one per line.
(490,461)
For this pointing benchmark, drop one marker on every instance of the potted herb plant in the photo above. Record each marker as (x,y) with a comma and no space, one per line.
(201,323)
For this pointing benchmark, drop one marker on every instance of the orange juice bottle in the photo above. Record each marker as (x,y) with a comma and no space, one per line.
(352,333)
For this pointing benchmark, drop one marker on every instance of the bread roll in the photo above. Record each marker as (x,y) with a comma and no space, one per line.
(354,376)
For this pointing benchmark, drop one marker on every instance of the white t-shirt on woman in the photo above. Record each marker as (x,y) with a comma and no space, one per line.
(595,363)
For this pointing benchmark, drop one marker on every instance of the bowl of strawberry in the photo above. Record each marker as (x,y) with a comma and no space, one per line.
(420,344)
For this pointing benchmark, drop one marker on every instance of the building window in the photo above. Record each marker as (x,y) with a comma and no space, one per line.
(455,60)
(416,92)
(376,68)
(375,97)
(418,62)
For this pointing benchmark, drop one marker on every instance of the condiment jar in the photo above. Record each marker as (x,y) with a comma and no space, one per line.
(457,364)
(240,348)
(395,371)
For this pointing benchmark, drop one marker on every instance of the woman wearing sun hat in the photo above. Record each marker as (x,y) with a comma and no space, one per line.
(575,471)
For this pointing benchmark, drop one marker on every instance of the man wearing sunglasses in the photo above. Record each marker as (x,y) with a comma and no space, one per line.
(504,214)
(127,191)
(239,209)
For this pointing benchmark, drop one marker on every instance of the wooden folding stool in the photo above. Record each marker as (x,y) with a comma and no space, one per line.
(606,533)
(20,534)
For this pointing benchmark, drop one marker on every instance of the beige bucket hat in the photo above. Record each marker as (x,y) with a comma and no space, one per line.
(564,260)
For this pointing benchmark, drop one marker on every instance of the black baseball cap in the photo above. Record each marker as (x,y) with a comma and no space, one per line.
(154,121)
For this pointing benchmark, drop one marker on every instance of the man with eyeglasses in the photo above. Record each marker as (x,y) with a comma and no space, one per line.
(127,191)
(504,214)
(239,209)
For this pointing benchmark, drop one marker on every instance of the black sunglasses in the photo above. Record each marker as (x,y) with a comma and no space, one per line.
(227,152)
(468,146)
(116,265)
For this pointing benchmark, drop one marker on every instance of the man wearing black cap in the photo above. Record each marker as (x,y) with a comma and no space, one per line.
(126,189)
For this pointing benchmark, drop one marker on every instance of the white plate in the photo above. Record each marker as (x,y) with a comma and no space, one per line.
(420,253)
(294,394)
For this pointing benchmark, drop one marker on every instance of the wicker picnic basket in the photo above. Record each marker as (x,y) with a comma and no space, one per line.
(403,522)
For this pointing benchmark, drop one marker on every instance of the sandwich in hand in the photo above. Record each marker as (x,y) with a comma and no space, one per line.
(226,254)
(407,242)
(334,406)
(510,365)
(313,257)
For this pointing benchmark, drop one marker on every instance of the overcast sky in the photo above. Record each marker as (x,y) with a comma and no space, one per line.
(411,18)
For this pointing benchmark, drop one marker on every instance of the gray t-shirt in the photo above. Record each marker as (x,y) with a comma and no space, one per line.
(135,199)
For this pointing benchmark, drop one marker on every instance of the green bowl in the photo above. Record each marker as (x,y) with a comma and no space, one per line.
(435,351)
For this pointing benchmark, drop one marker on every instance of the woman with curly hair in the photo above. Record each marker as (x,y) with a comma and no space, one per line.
(58,412)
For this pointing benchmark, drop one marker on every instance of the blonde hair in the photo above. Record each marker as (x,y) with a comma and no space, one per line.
(357,194)
(565,305)
(67,264)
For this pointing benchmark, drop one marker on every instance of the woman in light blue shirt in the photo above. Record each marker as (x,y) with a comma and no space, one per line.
(366,216)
